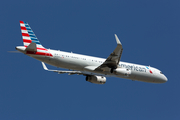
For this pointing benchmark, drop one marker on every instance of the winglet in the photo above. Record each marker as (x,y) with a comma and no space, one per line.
(117,40)
(44,66)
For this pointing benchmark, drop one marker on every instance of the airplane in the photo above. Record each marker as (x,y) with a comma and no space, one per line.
(94,68)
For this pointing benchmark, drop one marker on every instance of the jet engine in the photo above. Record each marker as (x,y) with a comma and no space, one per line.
(96,79)
(122,71)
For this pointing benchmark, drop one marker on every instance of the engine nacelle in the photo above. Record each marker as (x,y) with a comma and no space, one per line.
(96,79)
(122,71)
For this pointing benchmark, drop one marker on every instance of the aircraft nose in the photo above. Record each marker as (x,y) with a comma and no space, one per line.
(164,79)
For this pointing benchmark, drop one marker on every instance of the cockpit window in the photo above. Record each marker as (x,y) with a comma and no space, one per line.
(161,72)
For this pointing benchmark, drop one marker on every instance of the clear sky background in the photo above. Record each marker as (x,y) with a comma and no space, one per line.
(148,29)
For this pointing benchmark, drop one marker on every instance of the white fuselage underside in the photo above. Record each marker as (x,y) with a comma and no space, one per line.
(85,63)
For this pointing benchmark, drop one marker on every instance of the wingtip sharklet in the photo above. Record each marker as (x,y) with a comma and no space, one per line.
(117,40)
(44,66)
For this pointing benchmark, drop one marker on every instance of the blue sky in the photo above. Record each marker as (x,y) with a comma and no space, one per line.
(148,29)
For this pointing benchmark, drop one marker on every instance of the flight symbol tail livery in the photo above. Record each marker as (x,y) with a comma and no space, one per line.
(32,44)
(95,69)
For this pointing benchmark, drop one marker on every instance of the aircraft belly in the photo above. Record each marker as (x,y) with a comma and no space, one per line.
(68,63)
(80,65)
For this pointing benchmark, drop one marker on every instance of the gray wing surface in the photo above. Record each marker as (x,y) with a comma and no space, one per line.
(113,60)
(61,72)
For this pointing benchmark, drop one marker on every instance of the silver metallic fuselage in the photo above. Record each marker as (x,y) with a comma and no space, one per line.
(93,68)
(80,62)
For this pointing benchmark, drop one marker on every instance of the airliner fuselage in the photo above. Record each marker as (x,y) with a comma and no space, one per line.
(95,69)
(87,64)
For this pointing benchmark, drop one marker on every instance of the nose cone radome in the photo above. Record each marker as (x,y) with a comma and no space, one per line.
(160,78)
(163,79)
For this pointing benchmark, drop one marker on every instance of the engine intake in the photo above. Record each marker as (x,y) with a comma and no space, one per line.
(96,79)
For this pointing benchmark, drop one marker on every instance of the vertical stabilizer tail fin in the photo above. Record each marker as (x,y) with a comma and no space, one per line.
(28,35)
(31,43)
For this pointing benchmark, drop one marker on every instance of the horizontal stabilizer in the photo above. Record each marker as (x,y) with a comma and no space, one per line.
(13,51)
(32,47)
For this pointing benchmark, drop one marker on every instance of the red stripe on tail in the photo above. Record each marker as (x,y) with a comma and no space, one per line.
(27,41)
(23,28)
(25,34)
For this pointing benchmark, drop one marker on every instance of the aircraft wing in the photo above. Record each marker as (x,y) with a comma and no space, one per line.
(61,72)
(113,60)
